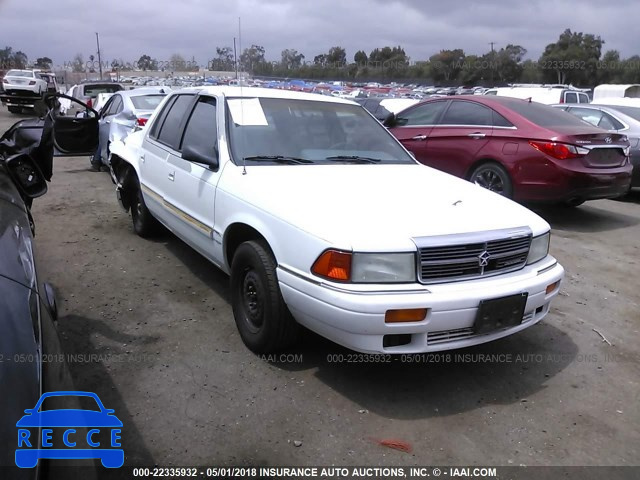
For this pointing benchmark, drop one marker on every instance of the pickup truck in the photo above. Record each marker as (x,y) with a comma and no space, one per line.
(322,219)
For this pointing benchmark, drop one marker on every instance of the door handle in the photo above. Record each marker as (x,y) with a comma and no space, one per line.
(142,158)
(172,176)
(419,138)
(477,135)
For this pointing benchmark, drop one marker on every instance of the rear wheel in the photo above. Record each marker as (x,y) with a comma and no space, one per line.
(144,224)
(263,319)
(493,177)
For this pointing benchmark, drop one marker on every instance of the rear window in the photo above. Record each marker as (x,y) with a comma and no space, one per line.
(147,102)
(543,115)
(633,112)
(94,90)
(20,73)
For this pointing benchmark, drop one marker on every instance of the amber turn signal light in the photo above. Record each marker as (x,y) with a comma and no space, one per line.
(407,315)
(334,265)
(552,287)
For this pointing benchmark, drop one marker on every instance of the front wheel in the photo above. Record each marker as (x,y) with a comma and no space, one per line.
(263,319)
(493,177)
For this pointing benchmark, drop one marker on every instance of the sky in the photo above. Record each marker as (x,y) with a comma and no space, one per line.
(60,29)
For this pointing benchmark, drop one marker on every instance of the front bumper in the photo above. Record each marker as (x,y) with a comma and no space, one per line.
(356,318)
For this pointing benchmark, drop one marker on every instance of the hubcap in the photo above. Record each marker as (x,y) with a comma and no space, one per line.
(252,300)
(490,180)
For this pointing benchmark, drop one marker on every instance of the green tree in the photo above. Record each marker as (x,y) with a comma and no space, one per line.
(177,63)
(223,60)
(145,62)
(337,57)
(572,59)
(43,62)
(446,65)
(360,58)
(508,63)
(252,58)
(291,59)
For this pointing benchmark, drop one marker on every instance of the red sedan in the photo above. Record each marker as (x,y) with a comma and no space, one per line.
(521,149)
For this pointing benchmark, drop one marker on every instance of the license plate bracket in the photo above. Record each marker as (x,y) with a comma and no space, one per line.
(498,313)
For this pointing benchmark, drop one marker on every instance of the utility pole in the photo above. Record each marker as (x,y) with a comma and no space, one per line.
(491,63)
(99,58)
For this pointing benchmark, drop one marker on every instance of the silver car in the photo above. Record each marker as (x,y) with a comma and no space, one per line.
(615,118)
(125,111)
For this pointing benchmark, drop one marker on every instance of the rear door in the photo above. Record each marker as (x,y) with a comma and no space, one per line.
(162,140)
(414,125)
(463,131)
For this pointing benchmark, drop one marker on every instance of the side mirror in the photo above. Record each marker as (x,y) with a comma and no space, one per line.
(84,114)
(193,154)
(27,176)
(390,121)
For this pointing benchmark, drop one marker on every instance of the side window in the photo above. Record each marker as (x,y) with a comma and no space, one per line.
(107,107)
(589,115)
(115,106)
(570,97)
(468,113)
(171,129)
(499,120)
(155,128)
(583,98)
(201,131)
(426,114)
(608,122)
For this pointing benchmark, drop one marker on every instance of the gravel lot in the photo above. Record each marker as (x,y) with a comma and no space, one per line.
(167,357)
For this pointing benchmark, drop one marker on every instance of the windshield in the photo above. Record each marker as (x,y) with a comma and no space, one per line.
(20,73)
(147,102)
(317,131)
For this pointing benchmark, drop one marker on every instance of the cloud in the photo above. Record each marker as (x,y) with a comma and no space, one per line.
(194,28)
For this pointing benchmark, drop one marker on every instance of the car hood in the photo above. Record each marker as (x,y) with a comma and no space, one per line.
(373,207)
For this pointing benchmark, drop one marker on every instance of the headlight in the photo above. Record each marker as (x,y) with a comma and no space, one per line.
(341,266)
(539,248)
(383,268)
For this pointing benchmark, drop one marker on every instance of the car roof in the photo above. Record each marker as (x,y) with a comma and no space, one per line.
(252,92)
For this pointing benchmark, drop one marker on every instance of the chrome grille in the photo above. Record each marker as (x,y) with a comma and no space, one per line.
(442,263)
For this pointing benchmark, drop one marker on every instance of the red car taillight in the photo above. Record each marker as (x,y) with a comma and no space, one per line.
(561,151)
(141,122)
(90,103)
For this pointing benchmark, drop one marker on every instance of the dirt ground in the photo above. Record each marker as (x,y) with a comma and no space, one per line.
(149,328)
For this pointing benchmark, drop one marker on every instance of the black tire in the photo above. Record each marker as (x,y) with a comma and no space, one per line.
(493,177)
(144,224)
(573,203)
(14,109)
(263,319)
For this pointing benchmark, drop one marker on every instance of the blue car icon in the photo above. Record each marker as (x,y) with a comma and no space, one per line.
(37,438)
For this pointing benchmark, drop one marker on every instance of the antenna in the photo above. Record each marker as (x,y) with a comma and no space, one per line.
(244,161)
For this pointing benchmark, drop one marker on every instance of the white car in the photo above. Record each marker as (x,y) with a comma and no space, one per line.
(23,87)
(322,219)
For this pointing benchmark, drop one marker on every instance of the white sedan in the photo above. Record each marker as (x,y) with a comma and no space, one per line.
(322,219)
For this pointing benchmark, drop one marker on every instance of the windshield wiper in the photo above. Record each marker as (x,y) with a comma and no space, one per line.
(280,159)
(353,159)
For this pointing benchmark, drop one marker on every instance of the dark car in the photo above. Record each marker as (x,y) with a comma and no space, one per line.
(518,148)
(614,118)
(31,360)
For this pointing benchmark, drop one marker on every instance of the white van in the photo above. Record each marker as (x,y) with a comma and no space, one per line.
(611,94)
(549,95)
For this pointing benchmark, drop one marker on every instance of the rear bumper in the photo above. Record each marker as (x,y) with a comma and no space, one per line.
(19,97)
(569,180)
